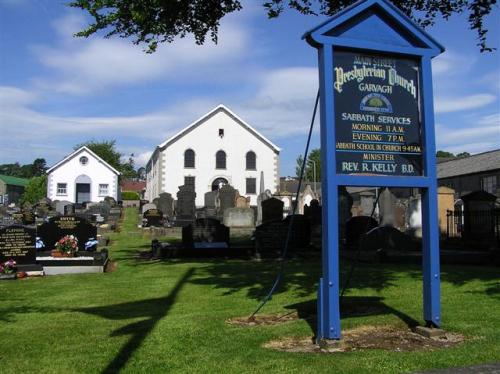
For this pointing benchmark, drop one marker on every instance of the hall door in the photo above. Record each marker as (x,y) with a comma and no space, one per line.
(82,192)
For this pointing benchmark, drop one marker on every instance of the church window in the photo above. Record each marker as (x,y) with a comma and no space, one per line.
(220,160)
(251,186)
(251,163)
(189,158)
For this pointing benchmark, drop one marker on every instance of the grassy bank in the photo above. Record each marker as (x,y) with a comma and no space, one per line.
(154,316)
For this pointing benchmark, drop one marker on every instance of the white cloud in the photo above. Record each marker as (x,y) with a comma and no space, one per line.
(450,63)
(284,101)
(482,135)
(82,66)
(455,104)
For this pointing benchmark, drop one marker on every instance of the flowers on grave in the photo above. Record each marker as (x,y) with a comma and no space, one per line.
(8,267)
(67,245)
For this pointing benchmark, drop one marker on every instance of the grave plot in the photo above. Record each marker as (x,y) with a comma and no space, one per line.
(69,245)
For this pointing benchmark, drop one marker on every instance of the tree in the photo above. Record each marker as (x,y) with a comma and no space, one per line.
(444,154)
(127,168)
(313,161)
(462,154)
(157,21)
(106,150)
(141,173)
(34,190)
(39,167)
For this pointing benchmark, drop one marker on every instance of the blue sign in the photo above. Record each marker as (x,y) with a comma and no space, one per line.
(377,129)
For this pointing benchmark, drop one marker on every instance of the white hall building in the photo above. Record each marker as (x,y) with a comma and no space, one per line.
(82,177)
(219,148)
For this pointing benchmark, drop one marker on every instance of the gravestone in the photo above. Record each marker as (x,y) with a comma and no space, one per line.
(345,206)
(239,217)
(227,198)
(111,201)
(152,218)
(165,203)
(57,227)
(60,204)
(205,230)
(210,207)
(414,216)
(356,227)
(185,207)
(387,202)
(272,210)
(18,243)
(263,196)
(148,206)
(367,199)
(242,202)
(313,213)
(69,209)
(28,215)
(102,208)
(270,237)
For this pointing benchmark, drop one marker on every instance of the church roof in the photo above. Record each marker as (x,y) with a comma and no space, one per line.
(76,153)
(204,118)
(478,163)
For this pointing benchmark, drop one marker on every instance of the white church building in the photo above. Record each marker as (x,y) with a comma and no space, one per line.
(81,177)
(219,148)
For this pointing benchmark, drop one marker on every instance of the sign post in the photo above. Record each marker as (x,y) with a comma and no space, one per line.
(377,129)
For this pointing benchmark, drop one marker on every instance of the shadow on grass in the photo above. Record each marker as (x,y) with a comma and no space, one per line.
(351,306)
(152,309)
(8,314)
(300,277)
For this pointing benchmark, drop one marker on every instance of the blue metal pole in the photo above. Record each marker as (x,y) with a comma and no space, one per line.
(430,224)
(329,314)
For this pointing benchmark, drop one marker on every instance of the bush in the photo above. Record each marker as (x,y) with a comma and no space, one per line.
(34,190)
(130,195)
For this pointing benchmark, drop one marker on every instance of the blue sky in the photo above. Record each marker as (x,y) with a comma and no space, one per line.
(57,91)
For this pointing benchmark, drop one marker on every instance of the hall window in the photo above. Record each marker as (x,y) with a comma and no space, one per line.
(251,161)
(251,186)
(189,158)
(220,160)
(189,181)
(103,190)
(62,189)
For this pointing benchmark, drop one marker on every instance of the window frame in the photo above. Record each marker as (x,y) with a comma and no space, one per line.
(217,159)
(191,177)
(487,181)
(254,160)
(194,159)
(254,186)
(58,189)
(100,189)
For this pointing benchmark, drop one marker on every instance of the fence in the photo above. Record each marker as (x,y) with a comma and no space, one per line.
(480,224)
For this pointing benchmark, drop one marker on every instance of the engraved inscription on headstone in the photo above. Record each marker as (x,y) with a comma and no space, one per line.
(58,227)
(18,243)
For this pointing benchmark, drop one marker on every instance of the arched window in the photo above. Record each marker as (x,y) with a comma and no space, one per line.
(251,162)
(220,160)
(189,158)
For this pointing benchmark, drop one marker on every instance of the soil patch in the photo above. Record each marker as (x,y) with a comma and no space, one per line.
(368,337)
(111,266)
(263,319)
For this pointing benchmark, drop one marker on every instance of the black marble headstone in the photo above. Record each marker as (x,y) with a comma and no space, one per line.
(153,218)
(272,209)
(18,243)
(58,227)
(205,230)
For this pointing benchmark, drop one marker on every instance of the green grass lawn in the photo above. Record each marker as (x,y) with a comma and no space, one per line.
(169,316)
